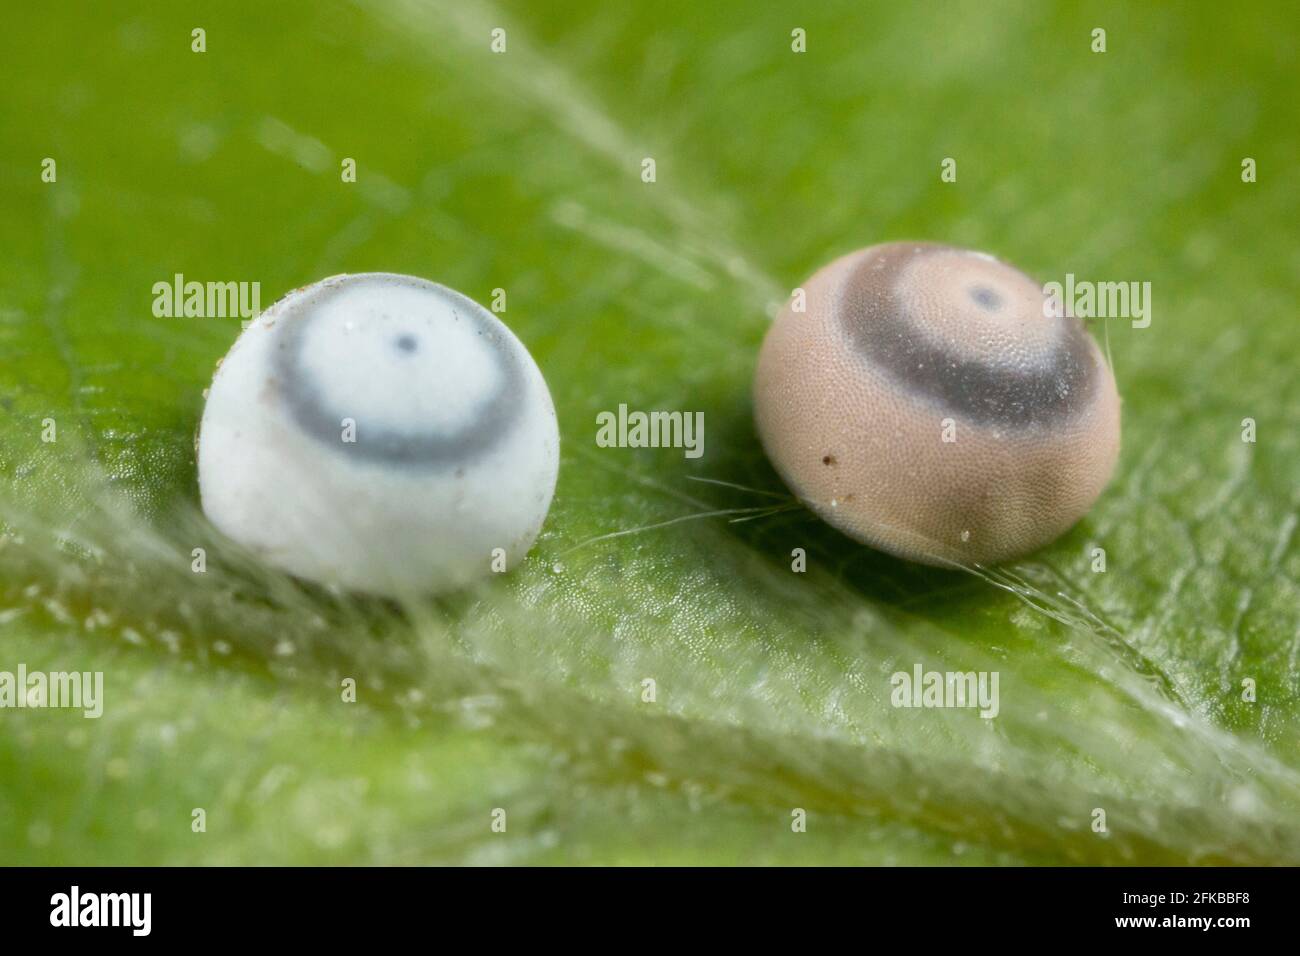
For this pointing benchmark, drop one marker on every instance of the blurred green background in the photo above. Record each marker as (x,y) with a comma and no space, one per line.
(1120,691)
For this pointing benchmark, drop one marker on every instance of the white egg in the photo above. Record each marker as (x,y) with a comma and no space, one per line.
(380,432)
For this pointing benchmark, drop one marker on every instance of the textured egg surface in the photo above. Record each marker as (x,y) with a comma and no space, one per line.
(925,404)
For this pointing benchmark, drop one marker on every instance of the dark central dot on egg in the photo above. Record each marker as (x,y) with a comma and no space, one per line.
(985,297)
(406,343)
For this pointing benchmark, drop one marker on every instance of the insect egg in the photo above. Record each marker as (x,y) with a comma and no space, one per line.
(379,432)
(926,402)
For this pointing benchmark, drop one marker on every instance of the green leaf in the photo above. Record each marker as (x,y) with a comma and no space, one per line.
(1120,691)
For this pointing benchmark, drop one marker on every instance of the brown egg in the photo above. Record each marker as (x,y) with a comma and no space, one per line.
(924,403)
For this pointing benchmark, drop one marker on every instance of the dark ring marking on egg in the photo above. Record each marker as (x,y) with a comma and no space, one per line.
(878,322)
(314,413)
